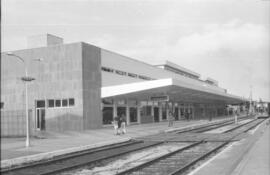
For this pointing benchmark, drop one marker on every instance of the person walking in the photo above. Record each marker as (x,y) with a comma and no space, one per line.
(119,121)
(171,118)
(236,113)
(115,125)
(123,124)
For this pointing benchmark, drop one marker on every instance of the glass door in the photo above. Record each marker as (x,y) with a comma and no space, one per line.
(133,114)
(156,114)
(107,113)
(40,118)
(121,111)
(40,115)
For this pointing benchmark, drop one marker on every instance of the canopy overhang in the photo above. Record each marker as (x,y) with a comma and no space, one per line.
(178,91)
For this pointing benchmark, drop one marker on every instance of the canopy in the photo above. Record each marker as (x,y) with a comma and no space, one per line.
(178,91)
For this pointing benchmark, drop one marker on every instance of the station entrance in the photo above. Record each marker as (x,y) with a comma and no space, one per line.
(40,115)
(156,114)
(121,111)
(136,111)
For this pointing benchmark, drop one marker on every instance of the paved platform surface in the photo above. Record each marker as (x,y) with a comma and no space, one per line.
(257,160)
(249,156)
(14,148)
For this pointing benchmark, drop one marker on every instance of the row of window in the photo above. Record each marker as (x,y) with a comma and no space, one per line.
(61,103)
(119,72)
(55,103)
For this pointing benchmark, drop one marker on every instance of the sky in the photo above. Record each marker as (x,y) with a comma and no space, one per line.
(227,40)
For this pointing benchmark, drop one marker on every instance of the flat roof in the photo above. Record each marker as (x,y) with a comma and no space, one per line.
(177,67)
(212,80)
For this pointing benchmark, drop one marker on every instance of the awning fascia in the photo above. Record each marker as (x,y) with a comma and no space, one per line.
(123,89)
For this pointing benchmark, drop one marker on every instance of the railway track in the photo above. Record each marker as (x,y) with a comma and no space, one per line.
(211,126)
(246,126)
(180,161)
(224,125)
(176,162)
(74,160)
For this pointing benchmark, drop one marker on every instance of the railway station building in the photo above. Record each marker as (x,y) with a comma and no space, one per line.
(79,86)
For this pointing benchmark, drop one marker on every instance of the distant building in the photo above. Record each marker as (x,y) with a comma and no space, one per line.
(79,86)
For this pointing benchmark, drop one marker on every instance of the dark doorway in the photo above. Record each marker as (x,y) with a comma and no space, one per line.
(176,114)
(182,113)
(156,114)
(133,114)
(121,111)
(40,118)
(107,113)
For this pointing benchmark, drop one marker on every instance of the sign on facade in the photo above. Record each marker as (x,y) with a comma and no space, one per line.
(160,98)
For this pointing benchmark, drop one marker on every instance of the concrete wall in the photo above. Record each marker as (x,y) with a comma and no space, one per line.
(91,65)
(58,76)
(13,123)
(43,40)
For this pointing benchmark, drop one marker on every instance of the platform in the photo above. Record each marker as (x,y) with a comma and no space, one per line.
(249,156)
(13,150)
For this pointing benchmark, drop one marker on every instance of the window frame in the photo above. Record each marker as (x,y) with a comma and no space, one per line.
(64,99)
(48,103)
(69,99)
(60,100)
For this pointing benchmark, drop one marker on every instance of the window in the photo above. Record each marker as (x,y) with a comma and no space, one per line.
(146,110)
(57,103)
(71,102)
(40,103)
(64,102)
(107,101)
(50,103)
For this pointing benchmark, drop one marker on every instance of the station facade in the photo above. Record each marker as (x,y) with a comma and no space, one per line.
(79,86)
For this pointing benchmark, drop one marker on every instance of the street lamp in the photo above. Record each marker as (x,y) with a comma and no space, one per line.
(26,79)
(250,101)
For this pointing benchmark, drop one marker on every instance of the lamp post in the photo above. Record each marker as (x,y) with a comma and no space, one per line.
(26,79)
(250,101)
